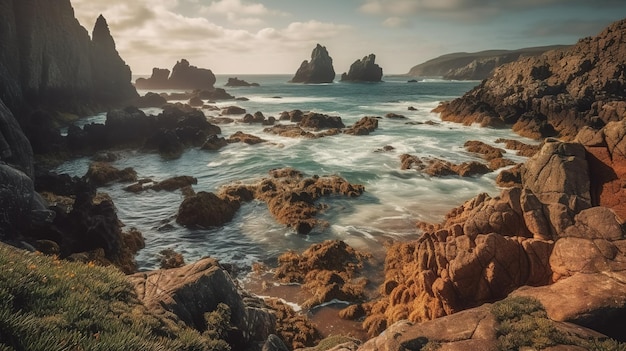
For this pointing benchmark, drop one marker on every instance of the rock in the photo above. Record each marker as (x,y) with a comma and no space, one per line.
(206,210)
(102,173)
(15,149)
(214,143)
(510,177)
(606,154)
(175,183)
(439,168)
(392,115)
(328,270)
(215,95)
(236,82)
(274,343)
(290,131)
(196,101)
(150,100)
(110,73)
(595,301)
(411,108)
(240,137)
(16,200)
(291,199)
(364,126)
(171,259)
(486,328)
(318,70)
(320,121)
(190,292)
(295,329)
(184,77)
(364,70)
(557,93)
(233,110)
(487,151)
(556,182)
(522,149)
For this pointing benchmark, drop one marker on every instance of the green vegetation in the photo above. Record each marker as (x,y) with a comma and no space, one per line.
(47,304)
(525,323)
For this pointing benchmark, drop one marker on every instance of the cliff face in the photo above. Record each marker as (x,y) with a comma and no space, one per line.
(473,65)
(47,58)
(364,70)
(556,93)
(318,70)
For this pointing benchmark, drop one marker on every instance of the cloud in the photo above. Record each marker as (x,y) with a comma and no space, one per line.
(157,33)
(396,22)
(240,12)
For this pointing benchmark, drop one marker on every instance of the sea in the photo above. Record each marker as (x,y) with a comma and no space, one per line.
(393,201)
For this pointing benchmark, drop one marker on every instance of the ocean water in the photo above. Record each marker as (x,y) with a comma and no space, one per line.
(388,210)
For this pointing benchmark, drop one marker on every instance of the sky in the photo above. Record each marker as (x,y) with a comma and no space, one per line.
(275,36)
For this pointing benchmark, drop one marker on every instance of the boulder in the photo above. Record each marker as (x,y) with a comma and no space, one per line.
(320,121)
(158,79)
(364,70)
(435,167)
(150,100)
(187,294)
(214,142)
(233,110)
(364,126)
(103,173)
(318,70)
(206,210)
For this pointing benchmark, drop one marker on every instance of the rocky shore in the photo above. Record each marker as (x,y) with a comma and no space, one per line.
(542,265)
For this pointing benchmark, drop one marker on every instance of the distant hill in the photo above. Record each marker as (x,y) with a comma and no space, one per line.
(474,65)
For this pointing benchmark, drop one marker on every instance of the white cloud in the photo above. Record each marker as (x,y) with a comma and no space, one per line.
(155,33)
(396,22)
(239,12)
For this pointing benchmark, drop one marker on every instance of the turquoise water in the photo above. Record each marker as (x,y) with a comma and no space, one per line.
(394,200)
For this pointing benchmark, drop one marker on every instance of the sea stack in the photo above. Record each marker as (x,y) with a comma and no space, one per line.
(111,75)
(318,70)
(364,70)
(184,76)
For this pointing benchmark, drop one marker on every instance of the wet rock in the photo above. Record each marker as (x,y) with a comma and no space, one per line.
(439,168)
(294,329)
(171,259)
(233,110)
(214,143)
(394,116)
(102,173)
(364,126)
(291,198)
(522,149)
(328,271)
(240,137)
(320,121)
(206,210)
(510,177)
(487,151)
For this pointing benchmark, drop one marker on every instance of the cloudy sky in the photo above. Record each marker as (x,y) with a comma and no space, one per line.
(275,36)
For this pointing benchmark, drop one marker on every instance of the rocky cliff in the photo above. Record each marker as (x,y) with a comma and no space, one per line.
(318,70)
(184,76)
(364,70)
(47,59)
(555,94)
(473,65)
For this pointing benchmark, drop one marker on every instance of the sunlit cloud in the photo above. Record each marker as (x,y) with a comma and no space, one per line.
(396,22)
(240,12)
(152,33)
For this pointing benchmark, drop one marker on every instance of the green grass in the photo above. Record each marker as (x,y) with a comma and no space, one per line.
(523,322)
(47,304)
